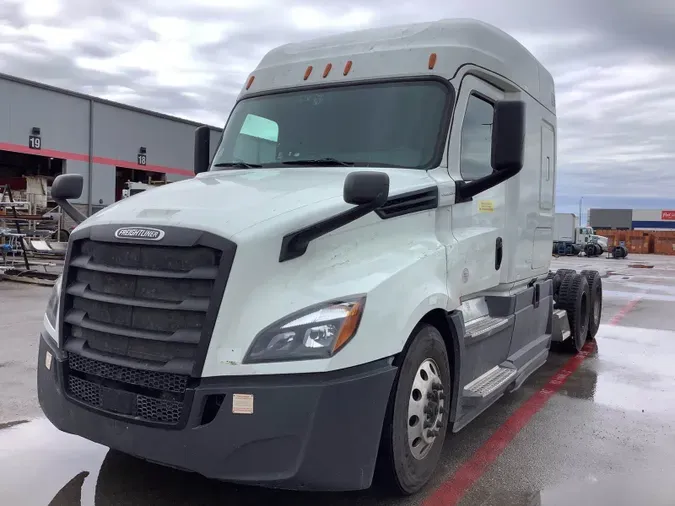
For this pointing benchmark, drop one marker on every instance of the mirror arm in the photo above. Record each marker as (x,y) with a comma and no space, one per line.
(295,244)
(465,191)
(70,210)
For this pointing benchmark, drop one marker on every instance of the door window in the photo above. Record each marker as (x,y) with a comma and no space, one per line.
(476,139)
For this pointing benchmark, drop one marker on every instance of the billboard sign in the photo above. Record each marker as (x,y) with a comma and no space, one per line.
(668,215)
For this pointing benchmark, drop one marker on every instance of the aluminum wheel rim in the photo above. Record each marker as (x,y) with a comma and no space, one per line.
(426,407)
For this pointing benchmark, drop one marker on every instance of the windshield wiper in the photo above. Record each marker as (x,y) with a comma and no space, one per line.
(319,161)
(238,165)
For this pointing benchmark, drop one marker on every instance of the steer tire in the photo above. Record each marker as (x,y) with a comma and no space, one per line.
(574,297)
(590,250)
(399,471)
(595,290)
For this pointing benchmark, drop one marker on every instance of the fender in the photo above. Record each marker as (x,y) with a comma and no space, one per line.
(455,321)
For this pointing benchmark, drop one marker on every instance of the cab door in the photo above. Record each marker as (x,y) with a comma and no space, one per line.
(478,225)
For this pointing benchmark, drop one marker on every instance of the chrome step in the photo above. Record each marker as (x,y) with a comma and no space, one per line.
(484,325)
(560,329)
(490,382)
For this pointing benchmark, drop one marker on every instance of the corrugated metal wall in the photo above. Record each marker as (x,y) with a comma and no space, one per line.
(117,133)
(632,219)
(611,218)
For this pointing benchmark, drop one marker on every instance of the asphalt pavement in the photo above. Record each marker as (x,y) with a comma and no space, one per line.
(593,428)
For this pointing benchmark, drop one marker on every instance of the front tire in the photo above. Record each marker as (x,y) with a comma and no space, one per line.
(416,421)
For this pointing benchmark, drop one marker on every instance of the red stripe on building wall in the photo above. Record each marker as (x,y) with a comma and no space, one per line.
(131,165)
(65,155)
(52,153)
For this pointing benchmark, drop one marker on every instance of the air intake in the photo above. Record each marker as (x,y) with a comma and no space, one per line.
(410,202)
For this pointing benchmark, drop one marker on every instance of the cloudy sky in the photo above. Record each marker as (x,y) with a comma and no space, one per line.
(613,62)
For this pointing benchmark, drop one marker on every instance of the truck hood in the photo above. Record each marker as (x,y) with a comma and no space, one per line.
(230,201)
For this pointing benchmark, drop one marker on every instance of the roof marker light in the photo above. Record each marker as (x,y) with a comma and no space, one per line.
(348,67)
(249,82)
(432,61)
(308,72)
(327,69)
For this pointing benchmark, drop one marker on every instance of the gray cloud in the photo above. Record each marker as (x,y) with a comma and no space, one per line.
(613,61)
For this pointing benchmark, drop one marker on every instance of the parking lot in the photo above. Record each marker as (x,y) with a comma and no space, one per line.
(592,428)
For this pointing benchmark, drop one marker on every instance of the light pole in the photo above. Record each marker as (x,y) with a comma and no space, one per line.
(581,223)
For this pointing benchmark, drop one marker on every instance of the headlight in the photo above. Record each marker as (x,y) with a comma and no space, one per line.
(53,303)
(316,332)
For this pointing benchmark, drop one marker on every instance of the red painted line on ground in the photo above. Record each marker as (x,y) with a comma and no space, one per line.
(65,155)
(457,485)
(623,311)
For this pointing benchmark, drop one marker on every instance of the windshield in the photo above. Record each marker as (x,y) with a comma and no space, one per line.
(392,124)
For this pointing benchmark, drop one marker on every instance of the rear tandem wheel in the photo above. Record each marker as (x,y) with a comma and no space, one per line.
(574,297)
(595,291)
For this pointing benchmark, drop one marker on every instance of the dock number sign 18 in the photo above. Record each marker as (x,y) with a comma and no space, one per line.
(142,158)
(34,142)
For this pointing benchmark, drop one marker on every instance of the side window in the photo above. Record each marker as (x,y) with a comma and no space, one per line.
(476,141)
(257,140)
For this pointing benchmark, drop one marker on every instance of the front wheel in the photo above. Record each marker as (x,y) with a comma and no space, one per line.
(415,426)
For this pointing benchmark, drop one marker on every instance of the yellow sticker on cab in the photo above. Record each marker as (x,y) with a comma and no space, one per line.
(486,206)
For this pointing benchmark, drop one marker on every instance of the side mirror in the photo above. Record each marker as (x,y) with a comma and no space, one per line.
(68,186)
(366,188)
(508,150)
(508,136)
(202,144)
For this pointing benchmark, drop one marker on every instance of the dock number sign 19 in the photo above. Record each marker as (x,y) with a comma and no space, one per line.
(34,142)
(142,159)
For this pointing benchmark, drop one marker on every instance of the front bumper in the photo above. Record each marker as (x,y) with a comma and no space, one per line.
(310,431)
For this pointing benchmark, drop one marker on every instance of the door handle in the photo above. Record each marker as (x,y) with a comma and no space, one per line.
(498,253)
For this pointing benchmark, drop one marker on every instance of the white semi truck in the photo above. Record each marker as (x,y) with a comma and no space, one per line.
(134,187)
(361,268)
(571,239)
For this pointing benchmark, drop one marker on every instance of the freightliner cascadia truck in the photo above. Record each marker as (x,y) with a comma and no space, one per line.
(359,270)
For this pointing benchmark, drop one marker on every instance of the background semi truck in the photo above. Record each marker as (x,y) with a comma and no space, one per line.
(571,239)
(354,275)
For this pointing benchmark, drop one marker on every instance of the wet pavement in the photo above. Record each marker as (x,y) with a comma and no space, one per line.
(596,428)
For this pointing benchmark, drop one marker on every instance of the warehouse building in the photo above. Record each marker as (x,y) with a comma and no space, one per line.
(45,131)
(632,219)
